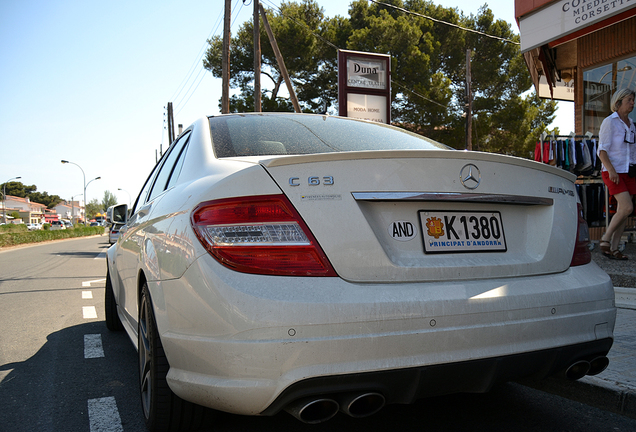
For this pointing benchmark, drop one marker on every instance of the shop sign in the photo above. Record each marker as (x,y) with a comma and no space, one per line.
(561,90)
(364,85)
(367,107)
(564,17)
(366,74)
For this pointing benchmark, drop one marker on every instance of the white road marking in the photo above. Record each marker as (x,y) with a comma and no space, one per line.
(103,415)
(89,312)
(93,347)
(87,294)
(88,283)
(101,255)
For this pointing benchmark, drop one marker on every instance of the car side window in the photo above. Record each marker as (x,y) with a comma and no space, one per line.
(161,182)
(174,176)
(141,199)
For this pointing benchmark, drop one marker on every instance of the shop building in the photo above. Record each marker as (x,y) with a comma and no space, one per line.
(580,51)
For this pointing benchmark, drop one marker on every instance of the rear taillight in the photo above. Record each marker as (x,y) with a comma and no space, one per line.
(261,235)
(582,254)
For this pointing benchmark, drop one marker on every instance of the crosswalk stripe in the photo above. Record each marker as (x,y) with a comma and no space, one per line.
(103,415)
(89,312)
(93,347)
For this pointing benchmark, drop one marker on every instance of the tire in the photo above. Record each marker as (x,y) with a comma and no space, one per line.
(163,410)
(113,323)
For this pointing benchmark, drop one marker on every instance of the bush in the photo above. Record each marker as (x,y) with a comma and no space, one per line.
(10,228)
(12,238)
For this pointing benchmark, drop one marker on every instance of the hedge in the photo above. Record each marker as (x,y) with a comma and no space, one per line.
(18,237)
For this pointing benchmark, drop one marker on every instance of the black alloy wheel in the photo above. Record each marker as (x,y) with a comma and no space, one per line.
(113,323)
(163,410)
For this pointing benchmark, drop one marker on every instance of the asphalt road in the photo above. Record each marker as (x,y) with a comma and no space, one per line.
(62,370)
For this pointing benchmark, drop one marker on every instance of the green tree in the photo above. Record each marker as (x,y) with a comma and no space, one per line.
(21,190)
(18,189)
(309,61)
(92,208)
(428,51)
(44,198)
(108,200)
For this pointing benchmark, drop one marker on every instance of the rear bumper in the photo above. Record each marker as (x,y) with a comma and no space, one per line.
(251,344)
(404,386)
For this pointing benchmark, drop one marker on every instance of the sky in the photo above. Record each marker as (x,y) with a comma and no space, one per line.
(88,82)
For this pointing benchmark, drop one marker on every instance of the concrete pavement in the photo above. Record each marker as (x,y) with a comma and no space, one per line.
(614,389)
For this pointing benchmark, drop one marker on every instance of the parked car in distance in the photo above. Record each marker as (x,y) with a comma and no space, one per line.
(113,232)
(317,264)
(57,225)
(34,226)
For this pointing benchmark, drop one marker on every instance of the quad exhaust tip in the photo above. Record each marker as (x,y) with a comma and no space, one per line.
(581,368)
(361,405)
(598,365)
(314,410)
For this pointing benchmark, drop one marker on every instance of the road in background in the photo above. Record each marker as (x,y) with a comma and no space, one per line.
(51,331)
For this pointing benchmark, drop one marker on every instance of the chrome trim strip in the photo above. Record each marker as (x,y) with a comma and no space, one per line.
(452,197)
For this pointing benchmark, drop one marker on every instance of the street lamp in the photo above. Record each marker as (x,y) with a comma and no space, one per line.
(129,197)
(4,199)
(84,176)
(85,214)
(73,207)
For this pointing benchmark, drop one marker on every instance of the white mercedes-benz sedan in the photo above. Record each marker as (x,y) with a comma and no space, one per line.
(318,264)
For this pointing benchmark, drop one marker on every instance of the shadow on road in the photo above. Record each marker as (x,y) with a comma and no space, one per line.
(50,390)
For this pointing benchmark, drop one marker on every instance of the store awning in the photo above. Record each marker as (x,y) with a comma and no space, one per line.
(565,20)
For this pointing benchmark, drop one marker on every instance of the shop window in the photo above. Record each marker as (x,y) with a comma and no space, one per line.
(599,84)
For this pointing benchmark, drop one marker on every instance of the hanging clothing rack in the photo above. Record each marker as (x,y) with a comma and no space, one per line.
(583,141)
(568,151)
(545,136)
(574,136)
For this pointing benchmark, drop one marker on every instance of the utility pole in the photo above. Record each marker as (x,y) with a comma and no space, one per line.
(280,61)
(257,58)
(469,104)
(171,136)
(225,94)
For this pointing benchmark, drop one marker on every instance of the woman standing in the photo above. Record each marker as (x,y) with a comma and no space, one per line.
(617,151)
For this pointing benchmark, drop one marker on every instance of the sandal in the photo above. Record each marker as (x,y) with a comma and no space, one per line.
(605,248)
(617,255)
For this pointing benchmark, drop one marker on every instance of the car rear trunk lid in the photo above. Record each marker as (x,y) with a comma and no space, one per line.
(432,215)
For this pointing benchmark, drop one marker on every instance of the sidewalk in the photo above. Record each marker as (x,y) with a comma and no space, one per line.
(620,376)
(618,381)
(614,389)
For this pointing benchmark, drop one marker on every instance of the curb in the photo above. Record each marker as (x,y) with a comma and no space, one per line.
(590,391)
(625,297)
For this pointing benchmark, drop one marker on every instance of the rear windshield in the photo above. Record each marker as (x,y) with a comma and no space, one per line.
(293,134)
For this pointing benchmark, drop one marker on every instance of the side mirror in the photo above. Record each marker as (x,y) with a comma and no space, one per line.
(117,214)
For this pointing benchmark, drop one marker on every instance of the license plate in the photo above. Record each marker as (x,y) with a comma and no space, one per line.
(458,231)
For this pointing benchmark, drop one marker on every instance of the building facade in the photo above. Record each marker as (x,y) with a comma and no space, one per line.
(30,212)
(580,51)
(71,210)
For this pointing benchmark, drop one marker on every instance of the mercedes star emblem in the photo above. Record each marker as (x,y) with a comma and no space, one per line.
(470,176)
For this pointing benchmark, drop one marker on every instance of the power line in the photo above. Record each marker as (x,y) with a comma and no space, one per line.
(444,22)
(193,91)
(181,103)
(196,60)
(399,84)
